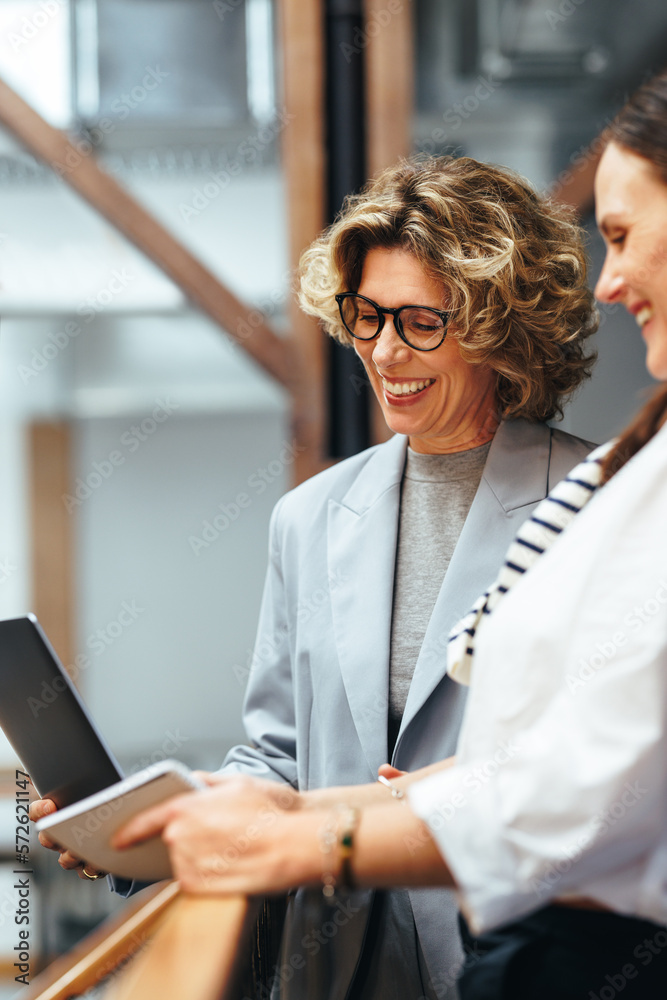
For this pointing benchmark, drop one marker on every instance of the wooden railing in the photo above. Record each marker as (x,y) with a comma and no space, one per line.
(164,945)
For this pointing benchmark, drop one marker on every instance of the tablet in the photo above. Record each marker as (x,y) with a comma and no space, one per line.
(45,720)
(85,828)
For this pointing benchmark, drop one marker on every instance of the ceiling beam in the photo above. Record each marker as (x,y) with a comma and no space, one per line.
(84,174)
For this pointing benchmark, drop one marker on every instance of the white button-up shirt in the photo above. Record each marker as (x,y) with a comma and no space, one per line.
(560,785)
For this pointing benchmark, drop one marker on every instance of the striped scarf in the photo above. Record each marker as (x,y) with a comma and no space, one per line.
(533,538)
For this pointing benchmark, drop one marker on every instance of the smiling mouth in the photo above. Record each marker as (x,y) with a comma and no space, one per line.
(644,315)
(406,388)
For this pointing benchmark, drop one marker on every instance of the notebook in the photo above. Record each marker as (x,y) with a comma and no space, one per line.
(47,724)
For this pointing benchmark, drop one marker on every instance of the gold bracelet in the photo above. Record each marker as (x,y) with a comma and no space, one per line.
(327,839)
(348,829)
(338,832)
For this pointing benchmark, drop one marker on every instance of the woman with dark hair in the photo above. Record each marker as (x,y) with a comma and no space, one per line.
(558,846)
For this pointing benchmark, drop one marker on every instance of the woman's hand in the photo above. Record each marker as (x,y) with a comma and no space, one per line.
(68,861)
(237,836)
(246,836)
(390,772)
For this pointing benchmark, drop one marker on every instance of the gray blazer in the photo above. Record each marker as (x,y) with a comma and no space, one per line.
(317,698)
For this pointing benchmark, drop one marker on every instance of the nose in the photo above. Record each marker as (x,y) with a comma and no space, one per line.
(388,348)
(610,285)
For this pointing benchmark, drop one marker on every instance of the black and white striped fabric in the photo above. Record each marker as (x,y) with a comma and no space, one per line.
(533,538)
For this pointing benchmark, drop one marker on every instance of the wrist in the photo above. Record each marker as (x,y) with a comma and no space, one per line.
(336,841)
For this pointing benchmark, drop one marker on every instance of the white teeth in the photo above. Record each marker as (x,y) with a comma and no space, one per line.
(406,388)
(644,315)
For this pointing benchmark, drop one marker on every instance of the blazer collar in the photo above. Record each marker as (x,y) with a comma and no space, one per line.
(381,472)
(517,469)
(516,475)
(362,538)
(362,533)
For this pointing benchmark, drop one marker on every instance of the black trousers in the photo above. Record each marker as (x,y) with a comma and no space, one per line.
(563,953)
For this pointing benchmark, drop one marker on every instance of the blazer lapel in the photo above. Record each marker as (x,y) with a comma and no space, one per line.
(362,536)
(516,475)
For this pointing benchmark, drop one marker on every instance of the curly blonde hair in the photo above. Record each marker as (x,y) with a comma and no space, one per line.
(513,265)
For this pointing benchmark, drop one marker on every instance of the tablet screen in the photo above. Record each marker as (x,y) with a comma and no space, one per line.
(45,720)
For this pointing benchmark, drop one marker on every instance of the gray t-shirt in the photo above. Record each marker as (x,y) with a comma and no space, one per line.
(436,495)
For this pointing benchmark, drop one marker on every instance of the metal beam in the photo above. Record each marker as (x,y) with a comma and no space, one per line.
(99,189)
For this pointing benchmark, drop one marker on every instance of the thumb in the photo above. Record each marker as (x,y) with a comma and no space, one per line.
(388,771)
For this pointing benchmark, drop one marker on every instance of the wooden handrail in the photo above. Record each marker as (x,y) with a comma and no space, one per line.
(189,946)
(105,948)
(199,951)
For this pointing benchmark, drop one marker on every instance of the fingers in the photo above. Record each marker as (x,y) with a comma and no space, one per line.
(69,861)
(388,771)
(40,808)
(46,841)
(209,778)
(146,824)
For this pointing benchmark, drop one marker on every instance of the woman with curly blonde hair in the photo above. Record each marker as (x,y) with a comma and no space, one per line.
(464,295)
(512,264)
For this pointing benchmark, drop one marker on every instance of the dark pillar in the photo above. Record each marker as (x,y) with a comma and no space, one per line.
(349,423)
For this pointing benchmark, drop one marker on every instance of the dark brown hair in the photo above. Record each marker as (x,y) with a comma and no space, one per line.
(641,125)
(646,424)
(641,128)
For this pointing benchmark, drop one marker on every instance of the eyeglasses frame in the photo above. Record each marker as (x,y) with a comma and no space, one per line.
(395,313)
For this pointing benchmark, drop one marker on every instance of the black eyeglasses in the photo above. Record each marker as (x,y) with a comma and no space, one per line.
(420,327)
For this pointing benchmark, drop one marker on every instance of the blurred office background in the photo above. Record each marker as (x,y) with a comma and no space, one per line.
(141,446)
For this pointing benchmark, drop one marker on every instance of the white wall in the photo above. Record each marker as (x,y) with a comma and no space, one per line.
(14,529)
(69,349)
(168,606)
